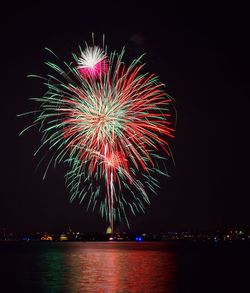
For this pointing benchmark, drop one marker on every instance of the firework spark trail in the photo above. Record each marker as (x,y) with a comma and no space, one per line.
(108,121)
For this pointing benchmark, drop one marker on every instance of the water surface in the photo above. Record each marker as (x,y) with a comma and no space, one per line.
(74,267)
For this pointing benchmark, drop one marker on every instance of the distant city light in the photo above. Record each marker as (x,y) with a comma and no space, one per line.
(138,239)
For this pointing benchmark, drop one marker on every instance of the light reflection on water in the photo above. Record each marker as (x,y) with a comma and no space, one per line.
(107,267)
(124,267)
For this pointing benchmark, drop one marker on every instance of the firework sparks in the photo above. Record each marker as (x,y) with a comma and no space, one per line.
(92,62)
(108,128)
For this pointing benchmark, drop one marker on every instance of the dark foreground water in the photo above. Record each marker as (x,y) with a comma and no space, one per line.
(74,267)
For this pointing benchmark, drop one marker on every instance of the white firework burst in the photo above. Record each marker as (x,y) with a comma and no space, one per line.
(91,56)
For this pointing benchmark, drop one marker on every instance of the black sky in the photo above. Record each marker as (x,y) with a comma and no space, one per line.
(200,52)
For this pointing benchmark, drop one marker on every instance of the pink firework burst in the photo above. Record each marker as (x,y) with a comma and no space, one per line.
(93,62)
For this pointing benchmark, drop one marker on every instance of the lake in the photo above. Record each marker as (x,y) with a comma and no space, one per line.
(74,267)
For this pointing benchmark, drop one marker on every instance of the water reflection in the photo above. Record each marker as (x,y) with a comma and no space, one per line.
(51,271)
(109,267)
(124,267)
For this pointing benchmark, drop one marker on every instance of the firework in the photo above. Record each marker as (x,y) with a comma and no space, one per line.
(92,62)
(108,122)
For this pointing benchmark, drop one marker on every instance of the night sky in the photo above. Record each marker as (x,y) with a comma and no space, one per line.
(200,52)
